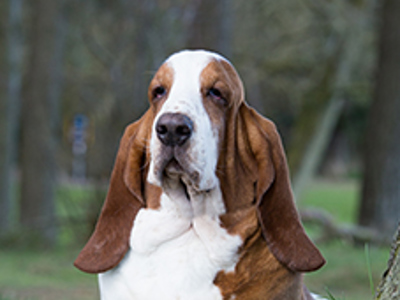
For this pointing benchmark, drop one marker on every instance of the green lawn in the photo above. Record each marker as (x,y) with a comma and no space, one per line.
(43,276)
(35,275)
(346,274)
(47,275)
(340,199)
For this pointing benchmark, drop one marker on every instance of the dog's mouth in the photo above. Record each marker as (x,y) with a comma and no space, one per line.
(175,171)
(185,189)
(173,165)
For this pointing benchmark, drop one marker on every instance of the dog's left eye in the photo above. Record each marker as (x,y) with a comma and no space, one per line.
(158,92)
(216,95)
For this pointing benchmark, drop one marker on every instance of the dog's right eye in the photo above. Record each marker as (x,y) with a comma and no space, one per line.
(159,92)
(217,95)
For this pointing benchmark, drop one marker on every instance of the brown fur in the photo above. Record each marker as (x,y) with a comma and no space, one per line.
(125,197)
(254,179)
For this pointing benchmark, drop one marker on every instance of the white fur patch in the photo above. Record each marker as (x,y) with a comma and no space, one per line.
(176,251)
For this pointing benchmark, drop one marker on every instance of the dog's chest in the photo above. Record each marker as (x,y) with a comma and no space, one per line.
(176,252)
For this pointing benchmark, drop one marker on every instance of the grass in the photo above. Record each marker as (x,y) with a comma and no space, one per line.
(31,275)
(345,275)
(351,272)
(26,274)
(340,199)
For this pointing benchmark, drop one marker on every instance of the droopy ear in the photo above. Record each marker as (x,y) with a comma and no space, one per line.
(110,240)
(277,213)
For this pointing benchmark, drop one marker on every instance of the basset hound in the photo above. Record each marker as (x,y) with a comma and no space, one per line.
(200,205)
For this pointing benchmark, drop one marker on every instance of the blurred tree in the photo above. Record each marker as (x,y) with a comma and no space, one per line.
(210,26)
(322,105)
(39,112)
(380,203)
(123,44)
(5,196)
(9,103)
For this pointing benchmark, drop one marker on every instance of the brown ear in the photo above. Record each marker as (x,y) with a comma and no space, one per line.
(277,213)
(110,239)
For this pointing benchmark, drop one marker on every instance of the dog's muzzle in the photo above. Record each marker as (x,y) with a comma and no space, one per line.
(174,129)
(179,154)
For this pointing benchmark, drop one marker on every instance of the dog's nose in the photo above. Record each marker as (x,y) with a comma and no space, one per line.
(174,129)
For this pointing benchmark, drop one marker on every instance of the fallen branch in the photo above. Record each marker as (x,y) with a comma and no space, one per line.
(331,230)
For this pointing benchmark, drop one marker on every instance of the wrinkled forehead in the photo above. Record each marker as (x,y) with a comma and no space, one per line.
(199,68)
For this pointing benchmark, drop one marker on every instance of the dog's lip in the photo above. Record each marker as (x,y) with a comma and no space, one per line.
(173,168)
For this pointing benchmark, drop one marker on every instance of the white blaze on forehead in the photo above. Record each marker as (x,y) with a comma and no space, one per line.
(197,55)
(187,67)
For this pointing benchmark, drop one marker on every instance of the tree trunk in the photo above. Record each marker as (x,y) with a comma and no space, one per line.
(9,108)
(317,145)
(37,208)
(388,289)
(380,204)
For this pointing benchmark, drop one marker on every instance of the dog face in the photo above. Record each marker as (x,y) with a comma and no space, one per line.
(191,94)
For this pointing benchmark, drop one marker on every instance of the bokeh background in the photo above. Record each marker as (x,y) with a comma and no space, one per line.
(74,73)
